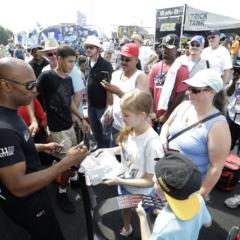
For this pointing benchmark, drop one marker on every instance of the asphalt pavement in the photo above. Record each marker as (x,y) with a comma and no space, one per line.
(74,226)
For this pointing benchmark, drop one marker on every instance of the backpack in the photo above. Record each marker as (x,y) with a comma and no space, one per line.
(230,173)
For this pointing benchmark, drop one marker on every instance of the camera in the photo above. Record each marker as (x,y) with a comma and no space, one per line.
(106,76)
(236,69)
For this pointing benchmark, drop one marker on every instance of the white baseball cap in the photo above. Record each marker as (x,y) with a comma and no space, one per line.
(206,78)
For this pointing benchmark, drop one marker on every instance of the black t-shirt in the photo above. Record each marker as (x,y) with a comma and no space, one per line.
(96,92)
(16,145)
(56,93)
(37,68)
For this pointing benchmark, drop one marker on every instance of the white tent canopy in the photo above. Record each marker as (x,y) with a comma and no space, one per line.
(200,20)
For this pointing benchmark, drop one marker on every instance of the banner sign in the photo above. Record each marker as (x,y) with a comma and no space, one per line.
(168,20)
(70,34)
(170,12)
(199,20)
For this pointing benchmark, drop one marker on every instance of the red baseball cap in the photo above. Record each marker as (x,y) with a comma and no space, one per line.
(130,50)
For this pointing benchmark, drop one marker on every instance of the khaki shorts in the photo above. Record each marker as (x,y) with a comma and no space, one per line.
(69,138)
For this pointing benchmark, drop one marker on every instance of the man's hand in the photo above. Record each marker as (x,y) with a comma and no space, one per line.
(76,155)
(112,88)
(163,118)
(52,148)
(33,128)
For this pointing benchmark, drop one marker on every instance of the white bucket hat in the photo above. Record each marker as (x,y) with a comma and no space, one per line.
(93,40)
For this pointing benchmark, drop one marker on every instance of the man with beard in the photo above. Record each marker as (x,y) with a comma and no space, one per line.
(125,80)
(166,80)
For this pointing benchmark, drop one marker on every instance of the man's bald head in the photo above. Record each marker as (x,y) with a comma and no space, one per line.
(14,68)
(14,75)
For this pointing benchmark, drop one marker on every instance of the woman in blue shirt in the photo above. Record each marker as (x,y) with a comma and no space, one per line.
(207,144)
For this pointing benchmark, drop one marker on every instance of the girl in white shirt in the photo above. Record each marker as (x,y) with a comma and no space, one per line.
(139,146)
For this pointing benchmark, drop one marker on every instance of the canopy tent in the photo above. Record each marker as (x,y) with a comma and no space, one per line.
(199,20)
(185,20)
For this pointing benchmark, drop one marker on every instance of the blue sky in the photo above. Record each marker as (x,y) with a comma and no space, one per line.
(24,16)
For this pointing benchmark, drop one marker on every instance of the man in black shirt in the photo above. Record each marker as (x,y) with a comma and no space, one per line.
(23,196)
(96,71)
(38,62)
(56,89)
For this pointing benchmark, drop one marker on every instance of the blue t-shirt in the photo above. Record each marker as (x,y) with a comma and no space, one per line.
(193,143)
(78,84)
(168,227)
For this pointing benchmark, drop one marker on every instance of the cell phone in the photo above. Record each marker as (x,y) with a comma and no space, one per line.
(106,76)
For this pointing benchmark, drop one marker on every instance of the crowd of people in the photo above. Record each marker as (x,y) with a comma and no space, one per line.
(174,109)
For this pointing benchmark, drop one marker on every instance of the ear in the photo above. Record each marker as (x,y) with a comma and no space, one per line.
(59,59)
(143,115)
(5,86)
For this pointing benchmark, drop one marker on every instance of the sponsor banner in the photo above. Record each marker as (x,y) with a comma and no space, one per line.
(199,20)
(170,12)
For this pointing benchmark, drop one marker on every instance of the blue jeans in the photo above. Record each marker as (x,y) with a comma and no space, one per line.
(94,116)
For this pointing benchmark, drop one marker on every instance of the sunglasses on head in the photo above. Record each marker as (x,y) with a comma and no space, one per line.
(28,85)
(211,37)
(198,90)
(51,54)
(90,47)
(195,44)
(126,59)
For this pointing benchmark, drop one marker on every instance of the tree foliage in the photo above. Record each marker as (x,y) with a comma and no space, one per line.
(5,34)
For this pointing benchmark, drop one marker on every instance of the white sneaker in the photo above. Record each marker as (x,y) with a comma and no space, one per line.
(233,202)
(126,233)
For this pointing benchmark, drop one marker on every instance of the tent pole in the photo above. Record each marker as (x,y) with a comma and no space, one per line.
(182,25)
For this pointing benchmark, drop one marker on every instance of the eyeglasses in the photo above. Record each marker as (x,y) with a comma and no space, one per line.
(197,90)
(51,54)
(126,59)
(90,47)
(28,85)
(211,37)
(195,45)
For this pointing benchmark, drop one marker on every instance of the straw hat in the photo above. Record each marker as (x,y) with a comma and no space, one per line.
(50,44)
(137,37)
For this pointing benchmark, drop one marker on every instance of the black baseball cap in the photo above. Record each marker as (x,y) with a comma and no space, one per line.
(180,179)
(170,41)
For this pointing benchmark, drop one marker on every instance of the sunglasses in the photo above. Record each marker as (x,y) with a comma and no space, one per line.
(89,47)
(28,85)
(51,54)
(126,59)
(195,45)
(211,37)
(197,90)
